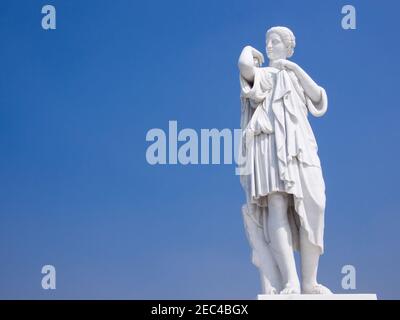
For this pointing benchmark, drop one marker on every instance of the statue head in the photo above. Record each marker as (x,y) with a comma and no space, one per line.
(280,43)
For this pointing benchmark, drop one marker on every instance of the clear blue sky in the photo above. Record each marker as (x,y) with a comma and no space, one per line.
(76,104)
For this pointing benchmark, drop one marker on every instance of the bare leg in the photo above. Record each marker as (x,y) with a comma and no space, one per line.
(281,241)
(309,266)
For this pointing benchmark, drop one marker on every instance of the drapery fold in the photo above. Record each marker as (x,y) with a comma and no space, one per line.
(276,107)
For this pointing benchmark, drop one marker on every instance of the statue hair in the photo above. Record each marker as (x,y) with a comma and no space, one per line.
(287,37)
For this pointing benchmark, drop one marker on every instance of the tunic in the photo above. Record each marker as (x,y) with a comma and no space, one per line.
(280,150)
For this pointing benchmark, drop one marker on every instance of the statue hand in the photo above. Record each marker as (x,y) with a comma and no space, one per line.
(283,64)
(257,55)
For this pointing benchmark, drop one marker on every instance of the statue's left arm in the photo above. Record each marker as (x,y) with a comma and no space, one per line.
(313,91)
(310,87)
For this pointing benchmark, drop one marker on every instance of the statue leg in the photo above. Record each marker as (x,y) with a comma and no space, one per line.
(309,266)
(281,241)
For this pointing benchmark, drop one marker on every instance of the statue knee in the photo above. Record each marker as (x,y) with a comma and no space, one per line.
(277,201)
(277,204)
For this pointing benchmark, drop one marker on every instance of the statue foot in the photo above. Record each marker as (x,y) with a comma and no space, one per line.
(315,289)
(271,291)
(291,289)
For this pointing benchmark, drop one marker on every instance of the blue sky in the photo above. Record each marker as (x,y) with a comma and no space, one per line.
(76,104)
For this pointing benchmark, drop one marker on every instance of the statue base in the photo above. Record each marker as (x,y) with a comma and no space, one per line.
(355,296)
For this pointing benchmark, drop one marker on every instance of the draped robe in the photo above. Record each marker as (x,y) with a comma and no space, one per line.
(281,154)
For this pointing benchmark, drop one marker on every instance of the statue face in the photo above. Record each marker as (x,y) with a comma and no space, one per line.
(275,47)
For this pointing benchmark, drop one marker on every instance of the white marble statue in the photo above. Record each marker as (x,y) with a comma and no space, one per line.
(284,184)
